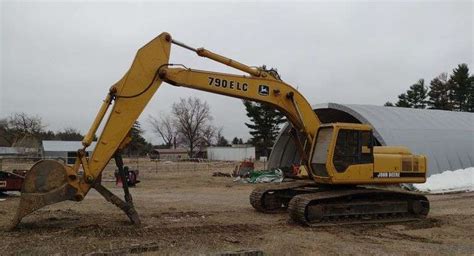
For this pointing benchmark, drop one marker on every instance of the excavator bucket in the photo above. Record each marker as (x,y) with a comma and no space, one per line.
(45,183)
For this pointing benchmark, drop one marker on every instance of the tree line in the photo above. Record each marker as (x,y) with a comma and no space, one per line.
(453,92)
(189,124)
(19,126)
(23,130)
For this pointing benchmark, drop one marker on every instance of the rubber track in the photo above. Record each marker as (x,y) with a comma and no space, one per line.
(297,208)
(258,194)
(256,198)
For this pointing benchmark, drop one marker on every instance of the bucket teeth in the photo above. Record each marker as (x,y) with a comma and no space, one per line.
(30,202)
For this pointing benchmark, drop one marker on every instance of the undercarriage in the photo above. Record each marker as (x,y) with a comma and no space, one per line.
(313,204)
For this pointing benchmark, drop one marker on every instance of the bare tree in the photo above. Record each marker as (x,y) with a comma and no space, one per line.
(192,121)
(6,135)
(220,139)
(209,135)
(164,127)
(24,124)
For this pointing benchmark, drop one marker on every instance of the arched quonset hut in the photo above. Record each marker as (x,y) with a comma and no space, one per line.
(445,137)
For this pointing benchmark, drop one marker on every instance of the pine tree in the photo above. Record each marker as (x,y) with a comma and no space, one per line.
(440,93)
(235,141)
(417,94)
(455,93)
(222,141)
(138,145)
(403,101)
(264,125)
(470,100)
(388,104)
(462,88)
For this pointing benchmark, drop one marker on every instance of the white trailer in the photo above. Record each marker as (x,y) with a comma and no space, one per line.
(234,153)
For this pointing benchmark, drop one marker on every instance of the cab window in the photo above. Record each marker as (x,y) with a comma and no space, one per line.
(321,150)
(367,153)
(352,147)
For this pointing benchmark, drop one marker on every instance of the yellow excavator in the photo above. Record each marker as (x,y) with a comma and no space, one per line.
(340,158)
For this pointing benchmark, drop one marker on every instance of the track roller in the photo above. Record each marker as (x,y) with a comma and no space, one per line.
(275,197)
(337,207)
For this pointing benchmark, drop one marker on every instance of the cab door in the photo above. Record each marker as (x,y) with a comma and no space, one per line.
(353,155)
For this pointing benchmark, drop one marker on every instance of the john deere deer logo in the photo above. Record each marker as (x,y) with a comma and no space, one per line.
(263,90)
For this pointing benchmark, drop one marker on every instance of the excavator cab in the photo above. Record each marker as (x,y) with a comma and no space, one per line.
(345,153)
(344,160)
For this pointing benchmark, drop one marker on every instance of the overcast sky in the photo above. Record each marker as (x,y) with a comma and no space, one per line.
(58,59)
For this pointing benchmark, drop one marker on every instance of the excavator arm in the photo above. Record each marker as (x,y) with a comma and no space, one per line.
(50,182)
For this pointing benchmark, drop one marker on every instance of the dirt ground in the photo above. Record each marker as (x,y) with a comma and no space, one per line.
(190,212)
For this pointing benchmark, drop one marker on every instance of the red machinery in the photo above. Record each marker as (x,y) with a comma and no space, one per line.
(244,168)
(11,181)
(131,176)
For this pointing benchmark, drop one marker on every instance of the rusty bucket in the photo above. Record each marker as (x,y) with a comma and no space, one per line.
(45,183)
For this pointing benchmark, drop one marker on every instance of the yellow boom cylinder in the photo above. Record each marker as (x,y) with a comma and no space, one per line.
(221,59)
(229,62)
(98,119)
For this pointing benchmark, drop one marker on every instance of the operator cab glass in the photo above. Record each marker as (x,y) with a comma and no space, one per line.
(321,151)
(352,147)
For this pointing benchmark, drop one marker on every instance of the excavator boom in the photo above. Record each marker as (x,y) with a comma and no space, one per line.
(272,92)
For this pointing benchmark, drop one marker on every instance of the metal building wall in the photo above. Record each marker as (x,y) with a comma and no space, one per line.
(55,149)
(446,137)
(230,153)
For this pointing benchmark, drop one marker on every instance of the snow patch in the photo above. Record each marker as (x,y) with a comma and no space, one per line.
(449,181)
